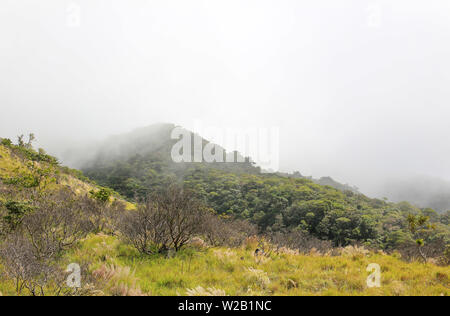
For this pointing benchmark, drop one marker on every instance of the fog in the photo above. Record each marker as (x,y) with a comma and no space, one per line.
(359,89)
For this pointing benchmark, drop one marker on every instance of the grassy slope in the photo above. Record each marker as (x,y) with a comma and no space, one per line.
(12,165)
(283,274)
(228,269)
(9,165)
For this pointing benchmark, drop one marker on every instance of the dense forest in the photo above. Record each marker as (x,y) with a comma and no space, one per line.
(140,165)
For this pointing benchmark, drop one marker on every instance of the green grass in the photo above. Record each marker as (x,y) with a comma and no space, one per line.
(284,274)
(12,165)
(9,164)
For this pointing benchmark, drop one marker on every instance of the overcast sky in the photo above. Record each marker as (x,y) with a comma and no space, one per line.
(359,89)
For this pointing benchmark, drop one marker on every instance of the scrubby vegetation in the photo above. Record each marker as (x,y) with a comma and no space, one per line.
(119,269)
(212,232)
(140,165)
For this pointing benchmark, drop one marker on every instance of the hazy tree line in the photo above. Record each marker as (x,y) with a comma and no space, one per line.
(276,203)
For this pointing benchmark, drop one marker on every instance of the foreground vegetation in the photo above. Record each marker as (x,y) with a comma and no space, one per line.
(179,240)
(121,270)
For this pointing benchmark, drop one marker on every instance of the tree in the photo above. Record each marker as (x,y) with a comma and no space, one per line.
(6,142)
(145,228)
(220,231)
(183,214)
(419,226)
(168,219)
(57,222)
(15,214)
(103,195)
(31,139)
(20,141)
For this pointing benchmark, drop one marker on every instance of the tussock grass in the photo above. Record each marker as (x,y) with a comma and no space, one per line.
(9,164)
(223,271)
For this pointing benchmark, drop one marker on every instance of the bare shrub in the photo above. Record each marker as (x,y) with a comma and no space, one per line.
(167,219)
(241,230)
(227,232)
(19,262)
(184,214)
(145,229)
(30,251)
(436,250)
(300,241)
(103,208)
(101,213)
(36,275)
(56,224)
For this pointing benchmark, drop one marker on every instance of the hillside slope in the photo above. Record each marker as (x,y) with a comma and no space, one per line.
(140,163)
(112,266)
(23,168)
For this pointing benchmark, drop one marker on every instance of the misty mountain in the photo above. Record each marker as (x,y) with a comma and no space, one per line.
(154,143)
(423,191)
(140,163)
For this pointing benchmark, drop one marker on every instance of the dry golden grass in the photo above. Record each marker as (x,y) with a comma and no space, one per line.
(200,291)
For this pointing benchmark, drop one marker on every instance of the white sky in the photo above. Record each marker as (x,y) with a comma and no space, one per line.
(360,89)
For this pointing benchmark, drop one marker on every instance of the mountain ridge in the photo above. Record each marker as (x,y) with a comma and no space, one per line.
(156,139)
(273,201)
